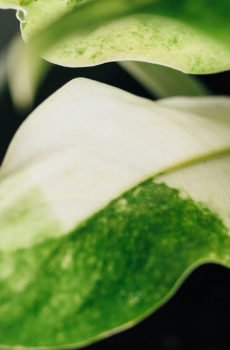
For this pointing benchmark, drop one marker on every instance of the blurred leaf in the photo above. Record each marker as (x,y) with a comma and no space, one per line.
(163,81)
(107,202)
(5,4)
(24,74)
(189,35)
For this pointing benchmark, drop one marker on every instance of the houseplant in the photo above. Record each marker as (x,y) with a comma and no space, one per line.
(191,114)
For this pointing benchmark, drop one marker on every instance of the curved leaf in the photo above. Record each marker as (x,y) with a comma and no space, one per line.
(107,202)
(191,36)
(164,82)
(24,74)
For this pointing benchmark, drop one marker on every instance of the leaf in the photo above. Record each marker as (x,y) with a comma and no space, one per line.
(163,82)
(189,35)
(107,202)
(24,75)
(5,4)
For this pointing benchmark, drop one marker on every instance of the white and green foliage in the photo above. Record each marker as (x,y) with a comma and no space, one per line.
(83,33)
(107,202)
(189,35)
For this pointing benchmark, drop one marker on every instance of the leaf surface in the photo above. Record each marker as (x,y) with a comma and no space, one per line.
(189,35)
(105,207)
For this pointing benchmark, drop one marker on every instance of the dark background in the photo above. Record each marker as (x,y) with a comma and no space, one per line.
(197,317)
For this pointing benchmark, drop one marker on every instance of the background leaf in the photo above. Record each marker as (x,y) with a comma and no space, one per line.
(163,82)
(24,73)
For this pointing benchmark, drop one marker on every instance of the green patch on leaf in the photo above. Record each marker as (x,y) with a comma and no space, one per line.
(110,272)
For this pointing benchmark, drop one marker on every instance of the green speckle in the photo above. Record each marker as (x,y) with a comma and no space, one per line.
(80,51)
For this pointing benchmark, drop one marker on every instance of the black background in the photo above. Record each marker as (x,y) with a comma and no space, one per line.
(197,317)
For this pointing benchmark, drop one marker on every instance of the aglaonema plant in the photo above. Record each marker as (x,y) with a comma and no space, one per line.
(108,200)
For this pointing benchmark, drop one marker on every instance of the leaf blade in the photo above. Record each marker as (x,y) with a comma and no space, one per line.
(110,268)
(172,33)
(164,82)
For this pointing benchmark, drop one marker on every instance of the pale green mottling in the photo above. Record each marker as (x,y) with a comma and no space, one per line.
(154,39)
(192,36)
(26,218)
